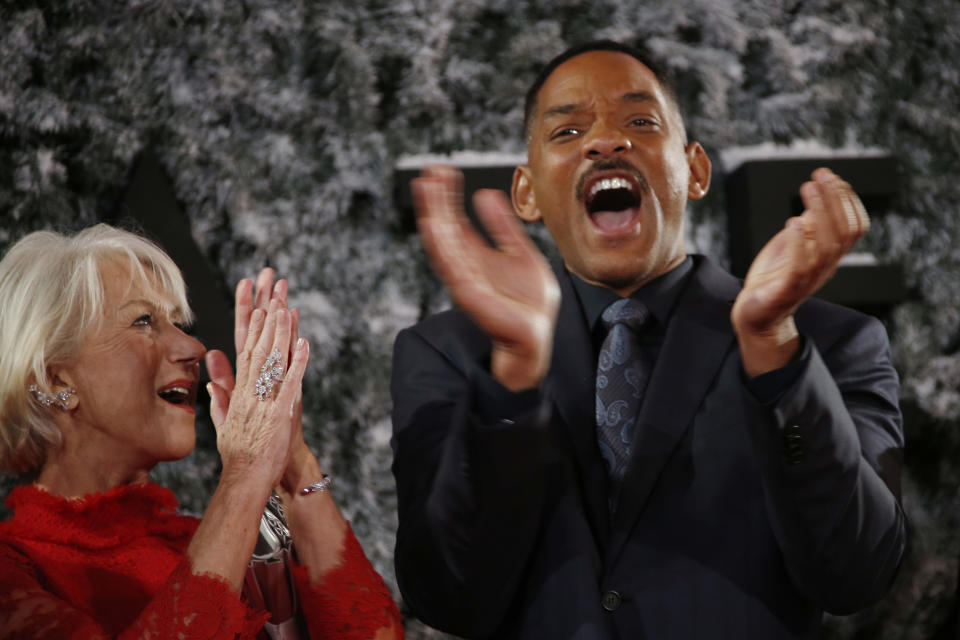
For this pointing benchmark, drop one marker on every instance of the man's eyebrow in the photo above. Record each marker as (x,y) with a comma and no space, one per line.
(632,96)
(638,96)
(562,110)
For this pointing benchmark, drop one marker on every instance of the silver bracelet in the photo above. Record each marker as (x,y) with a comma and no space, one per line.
(318,487)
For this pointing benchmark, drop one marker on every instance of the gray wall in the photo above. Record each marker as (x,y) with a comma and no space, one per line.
(279,124)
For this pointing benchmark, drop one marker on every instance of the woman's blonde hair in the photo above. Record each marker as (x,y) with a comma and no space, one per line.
(51,297)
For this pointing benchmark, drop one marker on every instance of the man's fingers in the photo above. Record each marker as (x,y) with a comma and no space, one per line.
(443,188)
(805,254)
(834,206)
(842,212)
(434,192)
(496,213)
(802,251)
(857,220)
(778,279)
(451,242)
(438,196)
(450,183)
(822,222)
(438,234)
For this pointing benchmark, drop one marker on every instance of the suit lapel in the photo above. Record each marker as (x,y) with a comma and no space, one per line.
(697,339)
(573,384)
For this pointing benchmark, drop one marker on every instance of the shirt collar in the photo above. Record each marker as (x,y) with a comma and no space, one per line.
(659,295)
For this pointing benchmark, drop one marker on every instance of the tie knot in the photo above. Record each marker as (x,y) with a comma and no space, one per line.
(626,311)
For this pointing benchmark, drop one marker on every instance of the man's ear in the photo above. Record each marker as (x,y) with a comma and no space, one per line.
(521,193)
(700,169)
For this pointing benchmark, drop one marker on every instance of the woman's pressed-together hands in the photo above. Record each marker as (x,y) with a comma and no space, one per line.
(267,433)
(266,436)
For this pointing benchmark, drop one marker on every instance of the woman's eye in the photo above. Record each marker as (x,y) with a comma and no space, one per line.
(144,321)
(642,122)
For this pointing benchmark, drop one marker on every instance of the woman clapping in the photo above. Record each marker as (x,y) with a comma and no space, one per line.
(97,385)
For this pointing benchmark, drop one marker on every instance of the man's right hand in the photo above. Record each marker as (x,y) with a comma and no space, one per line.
(508,290)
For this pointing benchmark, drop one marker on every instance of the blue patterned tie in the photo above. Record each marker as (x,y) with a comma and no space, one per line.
(621,379)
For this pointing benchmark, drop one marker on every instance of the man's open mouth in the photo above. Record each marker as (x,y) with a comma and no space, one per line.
(613,202)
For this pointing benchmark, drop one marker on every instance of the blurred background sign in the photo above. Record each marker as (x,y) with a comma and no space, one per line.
(762,194)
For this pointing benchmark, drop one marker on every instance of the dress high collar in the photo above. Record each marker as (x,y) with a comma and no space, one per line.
(97,520)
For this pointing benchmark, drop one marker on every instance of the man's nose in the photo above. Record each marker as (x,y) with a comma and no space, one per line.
(605,141)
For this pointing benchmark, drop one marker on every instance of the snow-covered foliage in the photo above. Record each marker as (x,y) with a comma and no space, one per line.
(280,123)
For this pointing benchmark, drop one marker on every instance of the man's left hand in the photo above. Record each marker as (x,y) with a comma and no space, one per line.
(791,267)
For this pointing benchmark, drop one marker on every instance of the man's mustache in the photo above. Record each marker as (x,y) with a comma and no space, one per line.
(610,165)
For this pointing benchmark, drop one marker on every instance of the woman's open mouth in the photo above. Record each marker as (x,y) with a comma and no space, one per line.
(182,393)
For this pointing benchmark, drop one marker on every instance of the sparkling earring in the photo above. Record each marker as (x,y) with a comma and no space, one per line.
(61,399)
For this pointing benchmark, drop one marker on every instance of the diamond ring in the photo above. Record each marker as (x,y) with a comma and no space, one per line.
(270,374)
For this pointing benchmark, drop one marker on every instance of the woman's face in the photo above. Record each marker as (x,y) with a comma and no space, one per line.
(136,376)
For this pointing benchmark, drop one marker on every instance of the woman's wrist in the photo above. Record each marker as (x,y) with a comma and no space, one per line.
(247,481)
(302,471)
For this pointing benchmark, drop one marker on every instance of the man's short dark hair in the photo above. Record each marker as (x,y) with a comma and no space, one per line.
(640,55)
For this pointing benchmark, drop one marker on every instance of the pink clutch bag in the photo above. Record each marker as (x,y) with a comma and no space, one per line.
(268,584)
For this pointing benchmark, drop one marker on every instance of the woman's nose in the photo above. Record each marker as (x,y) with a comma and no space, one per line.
(186,348)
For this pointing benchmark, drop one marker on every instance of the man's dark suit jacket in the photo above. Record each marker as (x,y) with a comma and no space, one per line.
(736,520)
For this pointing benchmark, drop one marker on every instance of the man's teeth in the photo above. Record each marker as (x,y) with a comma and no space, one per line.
(609,183)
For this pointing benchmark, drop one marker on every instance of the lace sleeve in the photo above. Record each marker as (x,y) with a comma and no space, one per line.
(351,601)
(194,606)
(188,606)
(28,612)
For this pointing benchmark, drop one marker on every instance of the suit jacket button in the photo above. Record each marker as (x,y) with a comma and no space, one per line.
(793,445)
(611,600)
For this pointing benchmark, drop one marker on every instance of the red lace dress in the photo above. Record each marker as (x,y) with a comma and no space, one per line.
(113,565)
